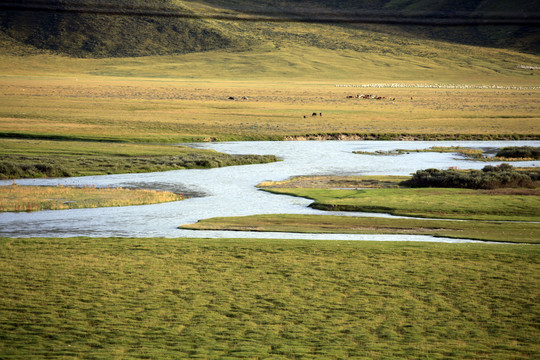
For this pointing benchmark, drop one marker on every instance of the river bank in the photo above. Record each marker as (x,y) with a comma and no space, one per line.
(231,191)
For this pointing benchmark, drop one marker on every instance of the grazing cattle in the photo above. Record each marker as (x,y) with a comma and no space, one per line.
(314,114)
(349,97)
(231,98)
(320,114)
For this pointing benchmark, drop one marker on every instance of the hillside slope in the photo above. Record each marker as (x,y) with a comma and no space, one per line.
(517,37)
(87,34)
(101,35)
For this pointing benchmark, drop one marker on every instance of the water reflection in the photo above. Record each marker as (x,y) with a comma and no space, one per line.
(231,191)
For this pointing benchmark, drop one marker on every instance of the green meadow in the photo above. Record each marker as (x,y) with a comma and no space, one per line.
(517,205)
(499,231)
(20,158)
(503,214)
(282,299)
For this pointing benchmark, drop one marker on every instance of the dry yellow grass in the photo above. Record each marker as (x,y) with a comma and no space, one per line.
(184,110)
(36,198)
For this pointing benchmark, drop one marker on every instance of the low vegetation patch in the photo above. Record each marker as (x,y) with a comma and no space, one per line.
(522,153)
(36,198)
(490,177)
(182,298)
(41,158)
(341,182)
(521,205)
(328,224)
(469,153)
(393,195)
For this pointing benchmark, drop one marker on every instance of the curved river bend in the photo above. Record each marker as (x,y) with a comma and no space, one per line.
(231,191)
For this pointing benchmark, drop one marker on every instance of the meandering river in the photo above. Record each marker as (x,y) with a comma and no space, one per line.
(231,191)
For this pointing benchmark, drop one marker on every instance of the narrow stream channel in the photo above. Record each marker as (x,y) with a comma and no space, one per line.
(231,191)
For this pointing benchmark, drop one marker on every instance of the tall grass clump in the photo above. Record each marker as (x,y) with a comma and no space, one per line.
(490,177)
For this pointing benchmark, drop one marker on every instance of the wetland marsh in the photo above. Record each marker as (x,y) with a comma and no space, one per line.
(231,191)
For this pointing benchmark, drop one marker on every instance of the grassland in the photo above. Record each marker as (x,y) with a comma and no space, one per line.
(511,232)
(181,298)
(37,198)
(336,182)
(168,110)
(500,204)
(490,213)
(44,158)
(290,73)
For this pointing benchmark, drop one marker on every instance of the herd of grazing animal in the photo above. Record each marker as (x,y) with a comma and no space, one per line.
(369,96)
(358,96)
(313,114)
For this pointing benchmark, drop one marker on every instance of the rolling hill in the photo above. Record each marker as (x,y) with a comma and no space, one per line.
(86,34)
(103,29)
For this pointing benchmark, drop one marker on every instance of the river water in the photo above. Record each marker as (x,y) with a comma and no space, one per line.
(231,191)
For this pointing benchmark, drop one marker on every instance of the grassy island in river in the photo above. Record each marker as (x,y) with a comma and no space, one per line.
(490,215)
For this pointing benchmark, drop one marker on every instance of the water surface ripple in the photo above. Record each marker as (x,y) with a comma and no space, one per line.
(231,191)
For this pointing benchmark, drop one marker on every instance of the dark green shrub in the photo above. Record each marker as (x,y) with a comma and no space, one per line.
(515,152)
(490,177)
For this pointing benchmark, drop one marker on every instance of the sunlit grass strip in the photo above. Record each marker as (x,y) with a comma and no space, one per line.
(501,204)
(328,224)
(37,198)
(181,298)
(332,181)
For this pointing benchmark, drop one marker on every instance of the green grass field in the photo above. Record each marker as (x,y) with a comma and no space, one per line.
(504,215)
(500,204)
(21,158)
(181,298)
(502,231)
